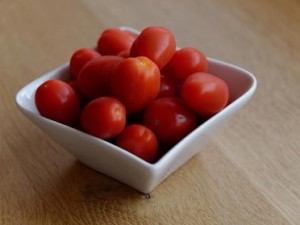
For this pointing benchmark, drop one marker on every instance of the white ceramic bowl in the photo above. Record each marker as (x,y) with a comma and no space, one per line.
(121,165)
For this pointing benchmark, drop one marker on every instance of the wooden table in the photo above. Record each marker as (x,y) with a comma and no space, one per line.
(248,174)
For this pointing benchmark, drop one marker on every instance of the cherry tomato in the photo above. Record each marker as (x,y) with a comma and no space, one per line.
(115,41)
(93,79)
(156,43)
(82,99)
(167,87)
(135,82)
(124,54)
(56,100)
(103,117)
(79,59)
(170,120)
(140,141)
(185,62)
(205,93)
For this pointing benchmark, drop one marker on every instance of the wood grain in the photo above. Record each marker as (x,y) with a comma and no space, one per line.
(248,174)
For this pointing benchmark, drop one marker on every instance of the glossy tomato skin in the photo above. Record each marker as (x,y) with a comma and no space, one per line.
(103,117)
(185,62)
(93,80)
(156,43)
(205,93)
(79,59)
(140,141)
(170,120)
(135,82)
(167,87)
(57,101)
(114,41)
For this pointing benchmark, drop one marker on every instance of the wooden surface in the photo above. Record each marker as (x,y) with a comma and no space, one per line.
(248,174)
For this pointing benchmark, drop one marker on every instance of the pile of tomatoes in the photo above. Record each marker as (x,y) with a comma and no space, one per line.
(136,91)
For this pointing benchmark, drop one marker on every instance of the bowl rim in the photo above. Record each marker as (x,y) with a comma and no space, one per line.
(161,168)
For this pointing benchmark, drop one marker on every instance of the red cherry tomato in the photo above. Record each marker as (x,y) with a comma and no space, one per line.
(56,100)
(79,59)
(115,41)
(156,43)
(103,117)
(170,120)
(205,93)
(82,99)
(135,82)
(167,87)
(140,141)
(124,54)
(185,62)
(93,80)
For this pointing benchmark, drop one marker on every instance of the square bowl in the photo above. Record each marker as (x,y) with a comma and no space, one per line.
(113,161)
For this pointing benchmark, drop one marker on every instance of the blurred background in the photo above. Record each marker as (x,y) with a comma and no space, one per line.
(249,174)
